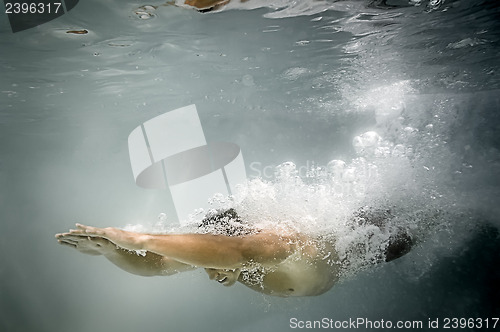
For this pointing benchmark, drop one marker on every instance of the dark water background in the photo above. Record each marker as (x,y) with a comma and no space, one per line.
(284,87)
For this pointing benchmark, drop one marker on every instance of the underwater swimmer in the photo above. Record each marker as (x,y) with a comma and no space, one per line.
(274,262)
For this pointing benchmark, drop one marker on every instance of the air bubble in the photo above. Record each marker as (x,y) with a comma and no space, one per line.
(399,150)
(366,143)
(336,168)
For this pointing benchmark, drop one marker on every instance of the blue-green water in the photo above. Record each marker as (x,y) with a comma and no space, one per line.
(286,82)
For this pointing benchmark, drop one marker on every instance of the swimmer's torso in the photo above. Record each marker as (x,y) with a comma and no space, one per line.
(299,275)
(311,270)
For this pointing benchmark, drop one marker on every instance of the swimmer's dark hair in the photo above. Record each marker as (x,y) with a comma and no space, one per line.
(226,222)
(399,244)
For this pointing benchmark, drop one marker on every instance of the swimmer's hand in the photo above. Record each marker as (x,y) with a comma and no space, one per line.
(94,246)
(118,237)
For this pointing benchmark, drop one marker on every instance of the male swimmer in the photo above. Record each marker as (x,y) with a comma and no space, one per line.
(274,262)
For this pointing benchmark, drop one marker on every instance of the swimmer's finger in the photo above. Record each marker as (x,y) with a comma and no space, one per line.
(68,240)
(61,235)
(74,237)
(64,235)
(69,244)
(80,231)
(99,241)
(75,232)
(89,230)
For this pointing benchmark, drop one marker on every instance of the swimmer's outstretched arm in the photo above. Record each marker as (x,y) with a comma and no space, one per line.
(149,264)
(201,250)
